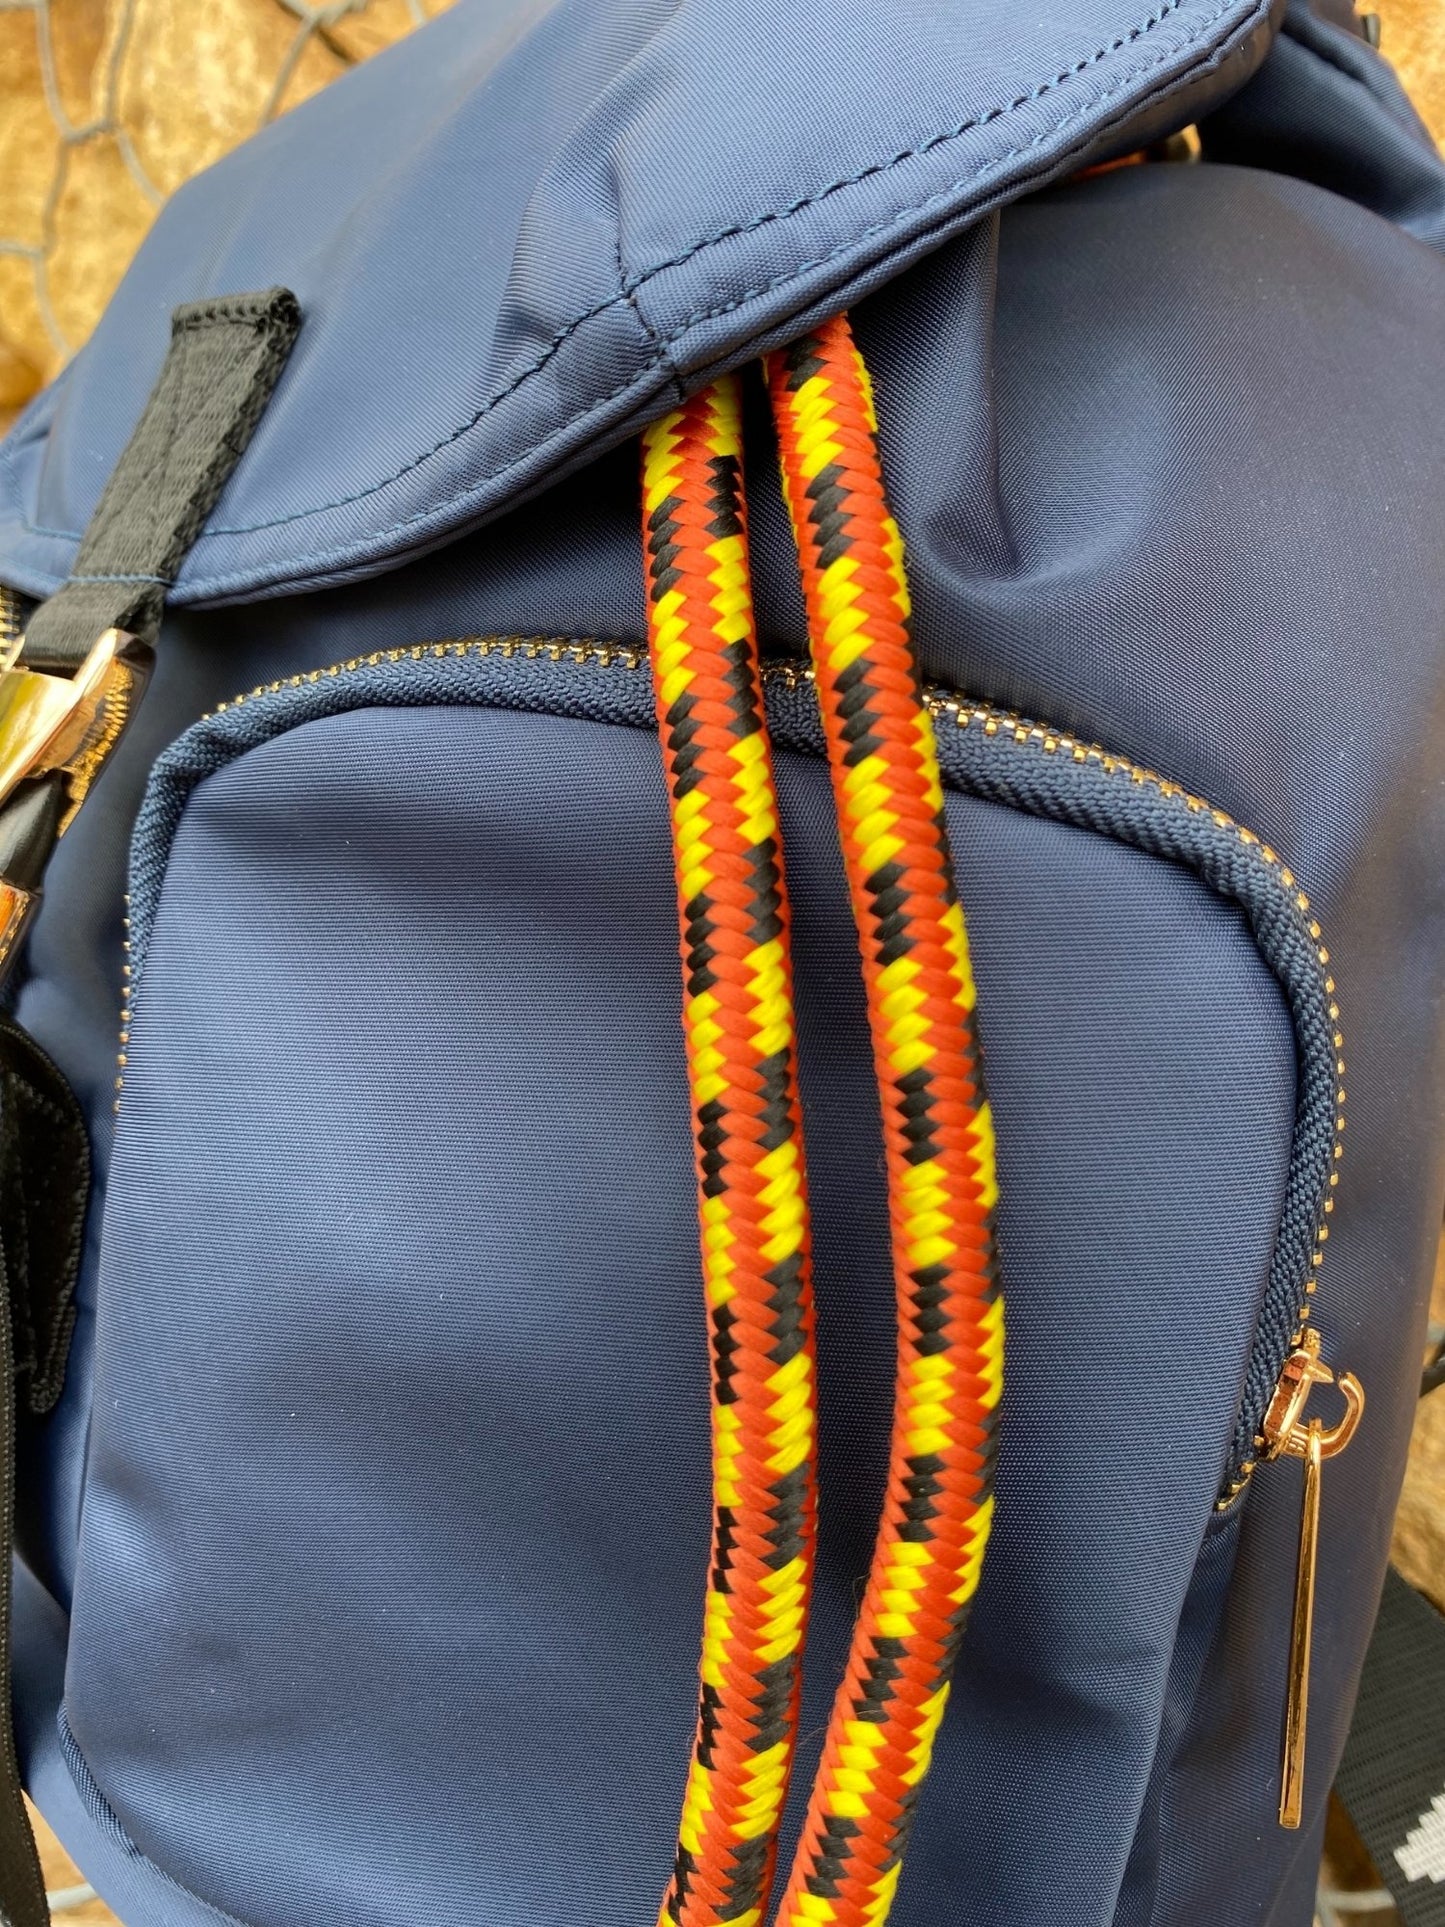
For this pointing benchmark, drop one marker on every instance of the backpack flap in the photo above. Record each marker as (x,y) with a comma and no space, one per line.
(514,241)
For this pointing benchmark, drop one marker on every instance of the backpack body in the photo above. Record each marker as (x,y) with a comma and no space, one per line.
(362,1557)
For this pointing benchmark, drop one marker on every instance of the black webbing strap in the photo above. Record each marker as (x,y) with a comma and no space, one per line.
(44,1182)
(22,1890)
(1392,1778)
(224,360)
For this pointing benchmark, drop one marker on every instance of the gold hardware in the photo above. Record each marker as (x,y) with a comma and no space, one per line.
(1286,1433)
(11,625)
(1297,1696)
(68,724)
(15,908)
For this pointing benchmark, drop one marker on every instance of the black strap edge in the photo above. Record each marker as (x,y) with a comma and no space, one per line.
(1392,1777)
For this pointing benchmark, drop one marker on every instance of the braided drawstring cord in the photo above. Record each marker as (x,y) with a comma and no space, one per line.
(937,1135)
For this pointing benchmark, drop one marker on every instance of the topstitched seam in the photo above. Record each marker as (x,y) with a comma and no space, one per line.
(659,355)
(700,315)
(628,288)
(164,580)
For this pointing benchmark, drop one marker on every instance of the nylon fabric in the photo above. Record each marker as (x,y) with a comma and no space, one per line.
(1336,115)
(1159,1821)
(224,360)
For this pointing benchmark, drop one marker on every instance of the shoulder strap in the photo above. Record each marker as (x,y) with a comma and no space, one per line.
(44,1184)
(224,360)
(22,1891)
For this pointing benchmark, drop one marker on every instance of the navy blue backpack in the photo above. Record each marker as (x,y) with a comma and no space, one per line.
(418,1341)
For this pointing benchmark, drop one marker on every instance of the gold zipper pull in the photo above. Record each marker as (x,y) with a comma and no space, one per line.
(1297,1699)
(1287,1434)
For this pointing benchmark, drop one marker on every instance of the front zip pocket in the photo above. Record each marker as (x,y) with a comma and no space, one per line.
(399,1451)
(996,755)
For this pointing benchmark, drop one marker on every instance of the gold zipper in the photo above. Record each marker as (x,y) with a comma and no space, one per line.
(1285,1432)
(568,649)
(56,733)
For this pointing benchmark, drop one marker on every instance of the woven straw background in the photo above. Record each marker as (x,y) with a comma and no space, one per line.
(106,106)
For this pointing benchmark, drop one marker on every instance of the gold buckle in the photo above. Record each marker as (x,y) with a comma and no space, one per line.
(16,907)
(61,725)
(68,724)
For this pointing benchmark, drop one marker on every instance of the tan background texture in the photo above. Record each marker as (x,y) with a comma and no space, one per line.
(106,106)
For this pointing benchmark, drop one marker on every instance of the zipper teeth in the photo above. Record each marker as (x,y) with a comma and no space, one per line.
(791,673)
(558,649)
(561,649)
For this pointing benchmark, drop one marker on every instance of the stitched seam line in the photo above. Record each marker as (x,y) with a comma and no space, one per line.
(103,1815)
(659,347)
(774,216)
(701,315)
(164,580)
(985,119)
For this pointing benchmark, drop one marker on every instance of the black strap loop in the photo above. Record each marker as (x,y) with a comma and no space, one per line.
(22,1889)
(225,358)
